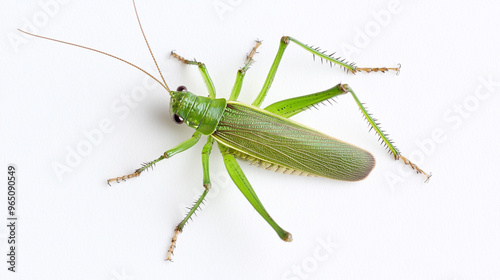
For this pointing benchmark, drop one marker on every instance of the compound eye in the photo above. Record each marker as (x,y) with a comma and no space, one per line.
(178,119)
(182,88)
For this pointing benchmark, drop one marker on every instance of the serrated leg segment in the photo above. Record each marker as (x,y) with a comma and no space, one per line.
(169,153)
(316,52)
(205,155)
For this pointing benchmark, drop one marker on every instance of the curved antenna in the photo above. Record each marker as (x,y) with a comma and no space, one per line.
(101,52)
(149,48)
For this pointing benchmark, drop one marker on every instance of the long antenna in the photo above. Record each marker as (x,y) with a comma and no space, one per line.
(101,52)
(163,84)
(149,48)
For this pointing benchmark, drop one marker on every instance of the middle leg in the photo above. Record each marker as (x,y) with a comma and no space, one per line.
(169,153)
(207,149)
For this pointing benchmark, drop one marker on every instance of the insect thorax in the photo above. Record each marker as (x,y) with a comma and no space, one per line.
(198,112)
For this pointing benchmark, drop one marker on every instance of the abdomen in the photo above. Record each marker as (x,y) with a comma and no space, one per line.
(279,144)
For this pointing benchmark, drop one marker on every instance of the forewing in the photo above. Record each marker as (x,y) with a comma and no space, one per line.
(263,135)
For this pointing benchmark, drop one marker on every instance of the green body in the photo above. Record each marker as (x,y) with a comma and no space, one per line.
(271,141)
(279,144)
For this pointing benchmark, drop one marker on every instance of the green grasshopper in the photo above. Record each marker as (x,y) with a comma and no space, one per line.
(264,137)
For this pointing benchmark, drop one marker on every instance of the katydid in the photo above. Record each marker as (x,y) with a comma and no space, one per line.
(264,137)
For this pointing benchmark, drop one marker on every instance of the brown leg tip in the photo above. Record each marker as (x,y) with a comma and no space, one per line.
(123,178)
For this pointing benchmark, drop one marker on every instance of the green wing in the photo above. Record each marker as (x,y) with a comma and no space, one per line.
(278,143)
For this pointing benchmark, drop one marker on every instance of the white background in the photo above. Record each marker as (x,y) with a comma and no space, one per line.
(390,226)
